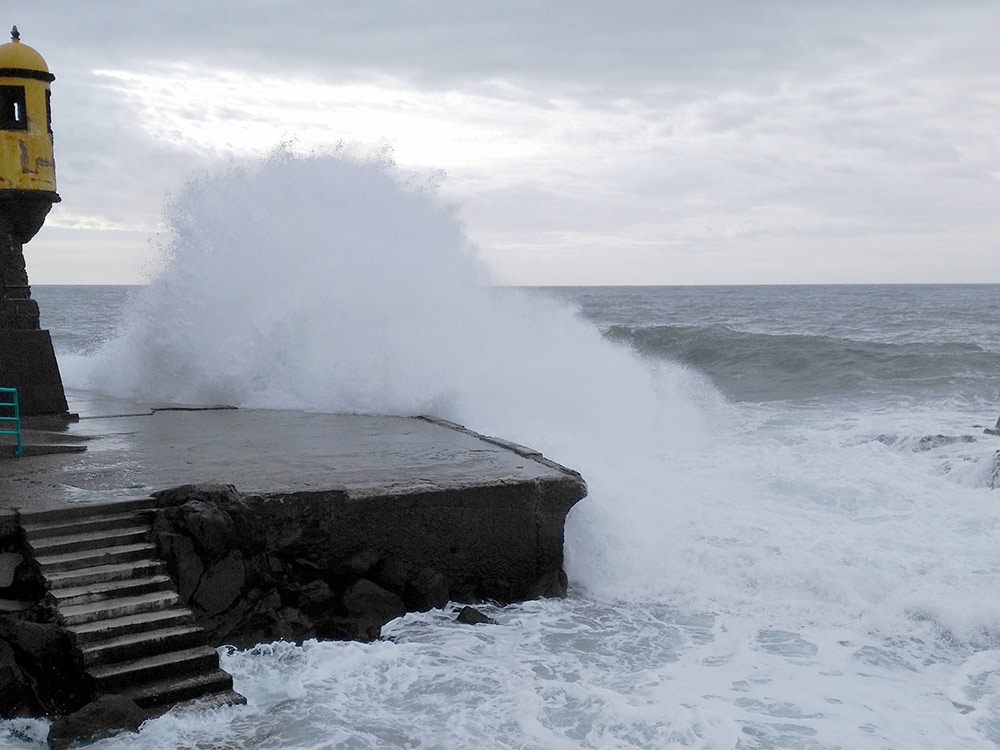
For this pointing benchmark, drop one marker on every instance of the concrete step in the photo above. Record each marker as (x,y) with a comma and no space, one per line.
(137,645)
(188,662)
(213,700)
(64,544)
(103,630)
(78,614)
(86,511)
(173,690)
(92,558)
(45,529)
(107,590)
(100,573)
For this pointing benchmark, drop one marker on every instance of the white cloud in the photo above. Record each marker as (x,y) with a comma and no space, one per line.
(640,141)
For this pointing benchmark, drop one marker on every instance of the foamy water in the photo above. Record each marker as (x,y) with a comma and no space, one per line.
(747,573)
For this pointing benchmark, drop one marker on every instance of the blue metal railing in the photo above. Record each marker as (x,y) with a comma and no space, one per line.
(8,400)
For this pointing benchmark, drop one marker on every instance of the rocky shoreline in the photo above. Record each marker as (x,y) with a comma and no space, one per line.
(255,568)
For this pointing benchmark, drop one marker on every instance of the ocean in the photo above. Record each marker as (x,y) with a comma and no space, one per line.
(791,539)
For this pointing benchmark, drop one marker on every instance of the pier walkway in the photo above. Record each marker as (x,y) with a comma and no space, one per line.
(349,511)
(135,449)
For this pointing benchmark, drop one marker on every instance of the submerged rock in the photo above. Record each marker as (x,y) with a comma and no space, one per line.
(929,442)
(369,601)
(103,717)
(472,616)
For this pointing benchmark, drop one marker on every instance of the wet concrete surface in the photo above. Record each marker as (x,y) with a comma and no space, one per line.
(135,449)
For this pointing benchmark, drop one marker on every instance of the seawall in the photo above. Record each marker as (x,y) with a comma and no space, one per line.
(259,525)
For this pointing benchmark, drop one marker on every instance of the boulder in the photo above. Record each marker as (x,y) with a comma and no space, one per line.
(17,693)
(316,598)
(552,584)
(427,590)
(8,568)
(43,655)
(10,526)
(348,629)
(221,585)
(103,717)
(392,575)
(359,564)
(367,600)
(472,616)
(183,562)
(211,529)
(43,643)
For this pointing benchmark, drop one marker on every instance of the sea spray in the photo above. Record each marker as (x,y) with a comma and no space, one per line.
(340,283)
(811,573)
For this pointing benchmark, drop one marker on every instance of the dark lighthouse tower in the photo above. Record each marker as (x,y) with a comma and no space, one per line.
(27,192)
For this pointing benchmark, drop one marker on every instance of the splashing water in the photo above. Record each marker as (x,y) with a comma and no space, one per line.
(747,575)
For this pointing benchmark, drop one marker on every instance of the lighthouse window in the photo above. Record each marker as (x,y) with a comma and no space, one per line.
(12,113)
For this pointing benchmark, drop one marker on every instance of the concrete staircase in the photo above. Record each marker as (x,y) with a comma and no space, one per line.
(114,597)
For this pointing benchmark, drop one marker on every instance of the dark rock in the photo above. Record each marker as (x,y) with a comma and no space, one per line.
(28,582)
(428,590)
(182,561)
(995,472)
(295,624)
(465,592)
(348,629)
(42,642)
(44,656)
(307,564)
(260,624)
(472,616)
(929,442)
(217,494)
(552,584)
(103,717)
(210,527)
(317,597)
(392,575)
(10,526)
(271,600)
(17,693)
(8,567)
(369,601)
(360,564)
(221,584)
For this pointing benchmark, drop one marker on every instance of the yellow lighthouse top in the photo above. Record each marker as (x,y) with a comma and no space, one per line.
(27,165)
(17,56)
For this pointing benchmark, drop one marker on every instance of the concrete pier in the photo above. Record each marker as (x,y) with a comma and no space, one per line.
(135,449)
(159,531)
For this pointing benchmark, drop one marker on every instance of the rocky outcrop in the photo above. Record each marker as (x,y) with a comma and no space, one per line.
(38,674)
(105,716)
(38,671)
(255,568)
(472,616)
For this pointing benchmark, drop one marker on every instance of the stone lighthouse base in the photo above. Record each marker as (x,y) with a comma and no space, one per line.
(28,363)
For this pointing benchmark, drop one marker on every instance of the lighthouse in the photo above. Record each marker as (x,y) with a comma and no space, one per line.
(27,192)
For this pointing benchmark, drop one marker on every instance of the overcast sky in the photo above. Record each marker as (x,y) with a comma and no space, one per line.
(615,142)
